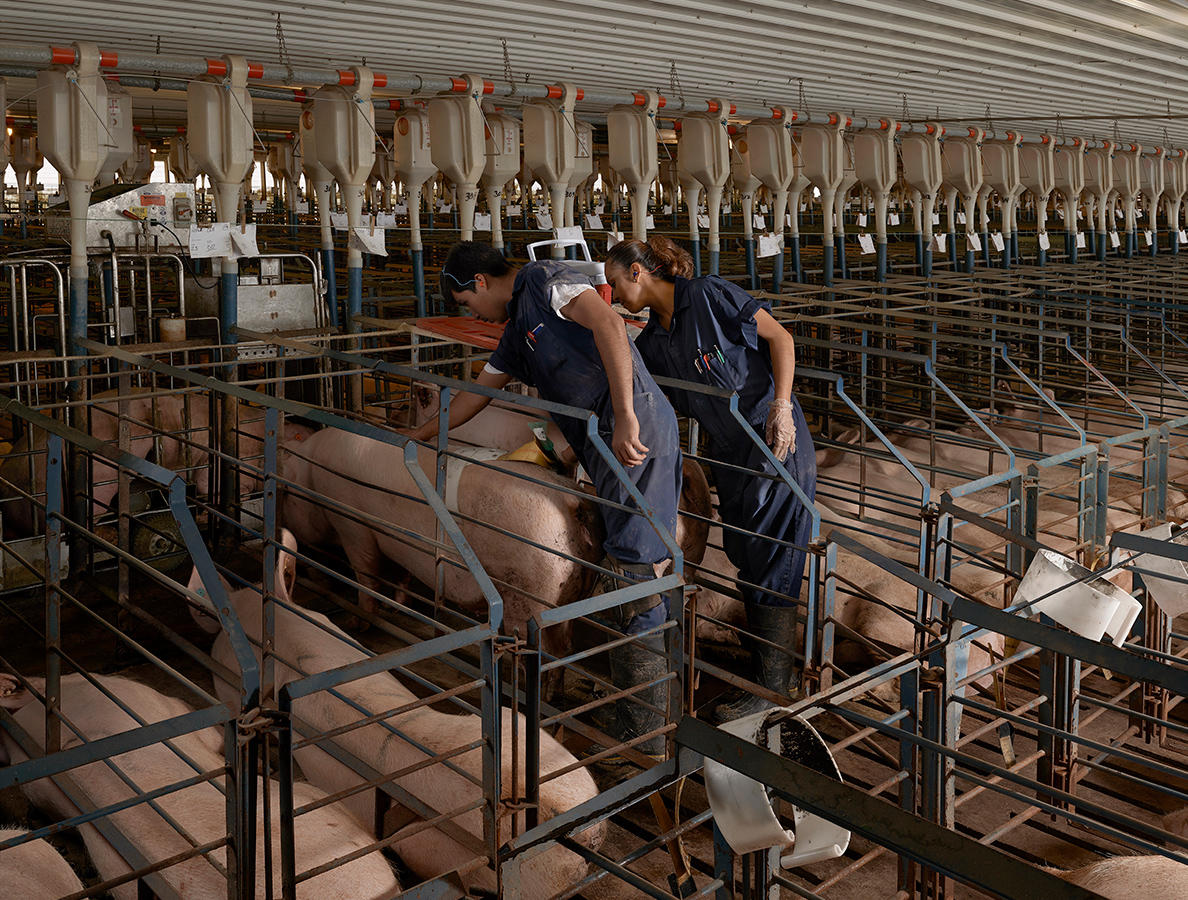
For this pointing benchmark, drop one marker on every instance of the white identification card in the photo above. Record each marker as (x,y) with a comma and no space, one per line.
(338,220)
(937,244)
(1044,242)
(787,220)
(544,221)
(769,245)
(243,242)
(385,220)
(482,221)
(973,242)
(594,221)
(893,218)
(569,233)
(763,208)
(1080,240)
(1183,236)
(445,207)
(400,209)
(866,243)
(206,243)
(1149,237)
(759,221)
(668,209)
(703,221)
(612,238)
(936,218)
(368,241)
(1114,239)
(649,222)
(997,241)
(861,220)
(960,217)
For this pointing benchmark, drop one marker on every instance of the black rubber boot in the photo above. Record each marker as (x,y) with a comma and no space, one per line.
(770,667)
(640,661)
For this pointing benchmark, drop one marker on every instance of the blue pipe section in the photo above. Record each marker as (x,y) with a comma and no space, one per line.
(331,284)
(714,254)
(1174,241)
(919,251)
(777,272)
(797,268)
(229,306)
(827,266)
(752,277)
(840,245)
(418,267)
(952,251)
(695,250)
(926,263)
(354,298)
(881,261)
(76,319)
(986,248)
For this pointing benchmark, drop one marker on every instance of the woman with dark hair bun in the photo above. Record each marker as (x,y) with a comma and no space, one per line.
(710,331)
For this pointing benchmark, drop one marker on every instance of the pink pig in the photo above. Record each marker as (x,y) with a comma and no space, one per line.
(34,870)
(313,642)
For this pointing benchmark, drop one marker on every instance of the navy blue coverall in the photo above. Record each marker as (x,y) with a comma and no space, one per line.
(713,339)
(560,359)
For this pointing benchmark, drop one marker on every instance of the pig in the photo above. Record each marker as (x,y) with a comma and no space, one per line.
(1125,877)
(151,413)
(321,836)
(498,511)
(34,870)
(319,645)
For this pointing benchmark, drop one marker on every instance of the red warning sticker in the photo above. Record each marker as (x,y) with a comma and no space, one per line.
(152,199)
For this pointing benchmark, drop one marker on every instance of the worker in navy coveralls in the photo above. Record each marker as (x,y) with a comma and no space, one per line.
(562,338)
(709,331)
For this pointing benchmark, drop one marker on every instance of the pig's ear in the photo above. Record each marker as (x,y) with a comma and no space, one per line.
(207,621)
(286,567)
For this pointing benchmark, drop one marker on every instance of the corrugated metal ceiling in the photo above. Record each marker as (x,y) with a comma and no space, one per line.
(1022,62)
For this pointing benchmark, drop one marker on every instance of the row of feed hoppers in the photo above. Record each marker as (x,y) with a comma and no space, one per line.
(454,137)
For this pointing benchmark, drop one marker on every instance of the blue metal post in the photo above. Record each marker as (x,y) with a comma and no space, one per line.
(827,265)
(714,254)
(752,277)
(952,251)
(797,268)
(354,299)
(777,271)
(695,250)
(881,261)
(920,251)
(418,267)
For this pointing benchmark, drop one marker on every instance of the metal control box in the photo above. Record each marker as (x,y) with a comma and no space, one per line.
(127,212)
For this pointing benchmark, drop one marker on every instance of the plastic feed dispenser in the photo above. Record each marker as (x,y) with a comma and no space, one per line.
(550,145)
(1074,597)
(742,809)
(1166,579)
(502,165)
(632,143)
(459,146)
(219,133)
(704,154)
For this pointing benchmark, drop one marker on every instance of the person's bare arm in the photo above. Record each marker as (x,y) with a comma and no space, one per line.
(464,406)
(589,310)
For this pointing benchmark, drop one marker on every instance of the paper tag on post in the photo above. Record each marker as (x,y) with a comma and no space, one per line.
(1183,237)
(769,245)
(893,218)
(960,217)
(600,209)
(759,221)
(1148,237)
(936,218)
(1044,242)
(400,209)
(515,209)
(612,238)
(763,208)
(937,244)
(338,220)
(703,221)
(445,207)
(482,221)
(365,240)
(1115,241)
(243,242)
(569,233)
(997,241)
(594,221)
(385,220)
(787,220)
(649,222)
(1080,240)
(668,209)
(206,243)
(973,242)
(861,220)
(866,243)
(544,221)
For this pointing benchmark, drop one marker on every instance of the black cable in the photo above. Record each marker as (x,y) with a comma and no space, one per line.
(184,258)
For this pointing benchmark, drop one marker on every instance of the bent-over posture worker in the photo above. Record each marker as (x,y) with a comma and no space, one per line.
(563,339)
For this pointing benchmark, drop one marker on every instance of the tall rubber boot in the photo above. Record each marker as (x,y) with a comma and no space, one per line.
(771,666)
(640,661)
